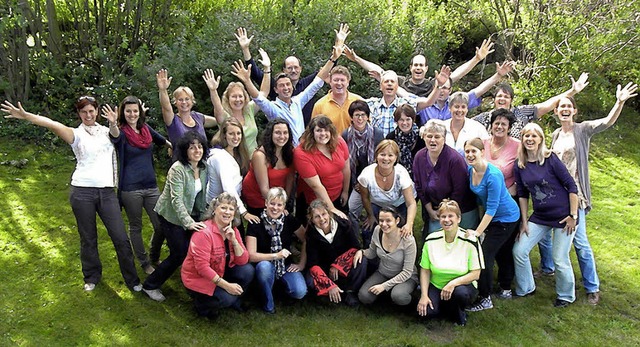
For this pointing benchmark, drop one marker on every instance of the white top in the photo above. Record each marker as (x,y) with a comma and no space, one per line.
(471,129)
(95,155)
(393,196)
(224,176)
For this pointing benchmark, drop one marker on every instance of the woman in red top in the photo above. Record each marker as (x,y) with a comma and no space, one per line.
(271,166)
(216,270)
(321,163)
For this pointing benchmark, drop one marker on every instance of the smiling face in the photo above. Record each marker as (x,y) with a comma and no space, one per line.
(223,214)
(132,114)
(389,84)
(502,100)
(233,135)
(236,99)
(387,222)
(405,123)
(435,141)
(88,115)
(280,135)
(386,158)
(418,68)
(339,84)
(322,136)
(565,110)
(449,220)
(359,120)
(500,127)
(194,152)
(184,102)
(284,88)
(275,207)
(531,141)
(458,110)
(321,219)
(472,154)
(292,68)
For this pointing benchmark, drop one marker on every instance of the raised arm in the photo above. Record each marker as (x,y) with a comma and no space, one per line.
(111,116)
(265,85)
(622,95)
(213,84)
(576,87)
(365,64)
(441,78)
(501,71)
(244,42)
(244,75)
(326,69)
(341,35)
(163,82)
(485,49)
(63,131)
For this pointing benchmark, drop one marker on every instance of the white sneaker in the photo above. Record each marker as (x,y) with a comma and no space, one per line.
(482,304)
(154,294)
(137,288)
(89,287)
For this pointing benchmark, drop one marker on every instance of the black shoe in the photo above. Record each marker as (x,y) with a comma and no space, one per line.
(561,303)
(240,306)
(351,299)
(462,319)
(270,312)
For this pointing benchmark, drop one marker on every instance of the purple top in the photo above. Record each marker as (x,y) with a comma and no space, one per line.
(449,179)
(433,112)
(177,129)
(549,186)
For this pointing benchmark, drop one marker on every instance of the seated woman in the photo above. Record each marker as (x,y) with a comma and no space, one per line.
(396,271)
(541,174)
(406,135)
(269,243)
(227,164)
(499,221)
(271,166)
(451,263)
(331,246)
(216,270)
(385,183)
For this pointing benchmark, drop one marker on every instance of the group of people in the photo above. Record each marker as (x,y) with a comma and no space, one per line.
(325,199)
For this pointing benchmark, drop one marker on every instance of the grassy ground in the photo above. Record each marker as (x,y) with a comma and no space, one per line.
(42,301)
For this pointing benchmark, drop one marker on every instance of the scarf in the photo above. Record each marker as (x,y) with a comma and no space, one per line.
(142,140)
(274,227)
(406,142)
(359,142)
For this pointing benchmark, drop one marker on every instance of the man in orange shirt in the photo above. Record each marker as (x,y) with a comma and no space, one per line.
(335,104)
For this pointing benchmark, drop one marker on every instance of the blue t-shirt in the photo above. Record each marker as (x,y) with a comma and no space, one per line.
(493,194)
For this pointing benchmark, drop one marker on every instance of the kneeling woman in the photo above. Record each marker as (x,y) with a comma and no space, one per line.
(269,245)
(216,270)
(451,263)
(397,271)
(331,246)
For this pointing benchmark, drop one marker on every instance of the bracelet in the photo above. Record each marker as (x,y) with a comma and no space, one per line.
(218,280)
(268,71)
(244,214)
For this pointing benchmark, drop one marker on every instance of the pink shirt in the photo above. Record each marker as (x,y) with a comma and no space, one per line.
(503,158)
(309,164)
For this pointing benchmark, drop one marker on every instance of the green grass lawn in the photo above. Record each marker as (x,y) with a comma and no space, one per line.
(42,301)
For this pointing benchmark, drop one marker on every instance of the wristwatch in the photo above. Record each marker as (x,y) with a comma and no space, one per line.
(574,216)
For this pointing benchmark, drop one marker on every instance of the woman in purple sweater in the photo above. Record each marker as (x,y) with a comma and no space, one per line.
(542,175)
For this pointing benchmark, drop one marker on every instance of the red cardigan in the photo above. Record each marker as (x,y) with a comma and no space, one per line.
(206,259)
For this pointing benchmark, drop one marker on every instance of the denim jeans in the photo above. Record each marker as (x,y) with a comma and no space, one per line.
(133,203)
(178,241)
(208,305)
(293,282)
(565,281)
(587,263)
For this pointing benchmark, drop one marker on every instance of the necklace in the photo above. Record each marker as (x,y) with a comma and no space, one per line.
(384,178)
(494,151)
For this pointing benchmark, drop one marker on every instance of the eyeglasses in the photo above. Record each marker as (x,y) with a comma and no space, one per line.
(88,98)
(360,115)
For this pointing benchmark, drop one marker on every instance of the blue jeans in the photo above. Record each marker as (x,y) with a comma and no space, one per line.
(133,203)
(208,305)
(293,282)
(565,281)
(587,263)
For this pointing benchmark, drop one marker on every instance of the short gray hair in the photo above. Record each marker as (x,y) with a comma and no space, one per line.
(459,98)
(433,126)
(276,193)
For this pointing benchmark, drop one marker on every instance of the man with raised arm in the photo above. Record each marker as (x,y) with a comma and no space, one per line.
(292,67)
(335,104)
(527,113)
(286,105)
(417,83)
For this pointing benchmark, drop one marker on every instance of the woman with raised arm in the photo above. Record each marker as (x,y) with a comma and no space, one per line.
(137,186)
(396,271)
(271,166)
(92,187)
(186,119)
(571,143)
(180,207)
(406,135)
(228,164)
(270,247)
(450,266)
(386,183)
(321,160)
(542,175)
(216,270)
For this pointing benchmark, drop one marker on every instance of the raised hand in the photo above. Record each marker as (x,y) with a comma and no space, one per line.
(485,49)
(210,79)
(505,68)
(241,36)
(629,91)
(337,52)
(581,83)
(349,53)
(13,112)
(109,114)
(264,59)
(163,80)
(241,72)
(442,76)
(342,34)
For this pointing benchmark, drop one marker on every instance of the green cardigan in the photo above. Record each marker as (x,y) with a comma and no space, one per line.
(178,200)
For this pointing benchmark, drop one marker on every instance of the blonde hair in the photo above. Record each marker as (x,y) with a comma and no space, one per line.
(223,198)
(225,97)
(384,144)
(542,151)
(183,89)
(449,205)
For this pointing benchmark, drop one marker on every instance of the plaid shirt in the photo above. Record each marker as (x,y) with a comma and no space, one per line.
(382,115)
